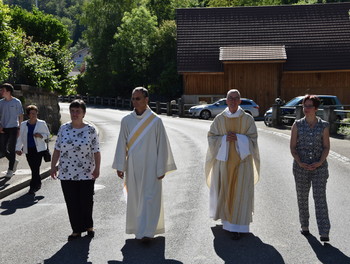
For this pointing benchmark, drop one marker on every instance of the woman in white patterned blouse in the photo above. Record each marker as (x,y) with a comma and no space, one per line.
(78,153)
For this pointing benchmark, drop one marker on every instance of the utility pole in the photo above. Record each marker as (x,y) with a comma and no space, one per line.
(36,3)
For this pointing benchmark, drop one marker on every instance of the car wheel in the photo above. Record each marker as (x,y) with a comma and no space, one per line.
(268,120)
(205,114)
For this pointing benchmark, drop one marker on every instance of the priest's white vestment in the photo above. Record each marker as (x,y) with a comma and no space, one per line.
(143,152)
(232,169)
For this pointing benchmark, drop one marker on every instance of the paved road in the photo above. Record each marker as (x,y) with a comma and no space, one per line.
(35,231)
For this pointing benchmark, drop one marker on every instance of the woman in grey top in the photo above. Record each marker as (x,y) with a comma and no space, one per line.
(310,146)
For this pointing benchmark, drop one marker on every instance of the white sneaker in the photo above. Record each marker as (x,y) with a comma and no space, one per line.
(9,174)
(15,166)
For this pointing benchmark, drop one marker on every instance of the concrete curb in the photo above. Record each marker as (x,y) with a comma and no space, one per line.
(21,184)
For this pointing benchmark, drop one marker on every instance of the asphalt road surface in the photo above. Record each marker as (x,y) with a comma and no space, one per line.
(35,230)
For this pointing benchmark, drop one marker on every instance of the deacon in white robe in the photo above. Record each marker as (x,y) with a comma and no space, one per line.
(232,166)
(144,156)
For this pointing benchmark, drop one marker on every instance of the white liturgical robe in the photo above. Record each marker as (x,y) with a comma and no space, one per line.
(143,152)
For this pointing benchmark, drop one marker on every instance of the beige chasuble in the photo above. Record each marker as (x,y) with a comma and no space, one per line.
(232,181)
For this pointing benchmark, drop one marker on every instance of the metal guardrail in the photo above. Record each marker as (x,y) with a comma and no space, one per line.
(169,108)
(336,117)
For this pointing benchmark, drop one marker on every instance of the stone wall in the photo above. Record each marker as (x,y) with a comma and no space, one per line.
(47,103)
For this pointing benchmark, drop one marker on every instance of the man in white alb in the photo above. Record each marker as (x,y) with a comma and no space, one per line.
(232,166)
(143,155)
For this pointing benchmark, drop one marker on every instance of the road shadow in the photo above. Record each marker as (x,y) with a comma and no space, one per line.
(248,249)
(326,253)
(24,201)
(3,182)
(134,252)
(73,252)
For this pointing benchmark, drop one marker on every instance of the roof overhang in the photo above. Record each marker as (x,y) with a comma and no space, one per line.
(257,54)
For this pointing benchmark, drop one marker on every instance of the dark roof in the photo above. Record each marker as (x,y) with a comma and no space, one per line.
(316,37)
(253,53)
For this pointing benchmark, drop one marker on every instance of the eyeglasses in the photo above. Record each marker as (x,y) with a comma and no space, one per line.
(136,98)
(308,106)
(233,98)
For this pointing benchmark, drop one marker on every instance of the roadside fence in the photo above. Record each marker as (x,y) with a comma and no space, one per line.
(173,107)
(331,113)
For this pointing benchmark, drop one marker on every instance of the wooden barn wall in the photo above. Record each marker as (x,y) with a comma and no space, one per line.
(334,83)
(257,81)
(264,82)
(202,83)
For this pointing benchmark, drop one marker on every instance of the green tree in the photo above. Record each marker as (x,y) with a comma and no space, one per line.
(42,65)
(42,27)
(102,18)
(163,9)
(163,69)
(26,4)
(68,11)
(8,41)
(136,39)
(42,59)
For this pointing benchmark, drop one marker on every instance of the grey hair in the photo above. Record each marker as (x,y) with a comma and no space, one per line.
(141,89)
(233,91)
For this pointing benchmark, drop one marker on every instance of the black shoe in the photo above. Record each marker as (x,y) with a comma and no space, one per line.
(91,234)
(73,237)
(146,240)
(31,191)
(324,238)
(235,235)
(305,232)
(37,188)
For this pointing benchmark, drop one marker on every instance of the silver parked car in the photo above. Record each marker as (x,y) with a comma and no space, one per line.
(206,111)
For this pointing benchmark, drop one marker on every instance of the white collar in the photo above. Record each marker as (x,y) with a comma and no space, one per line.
(235,114)
(148,109)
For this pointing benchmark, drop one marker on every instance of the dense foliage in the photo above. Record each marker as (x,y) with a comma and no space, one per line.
(8,41)
(136,45)
(68,11)
(42,27)
(39,48)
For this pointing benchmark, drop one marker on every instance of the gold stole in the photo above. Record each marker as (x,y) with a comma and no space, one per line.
(233,167)
(138,132)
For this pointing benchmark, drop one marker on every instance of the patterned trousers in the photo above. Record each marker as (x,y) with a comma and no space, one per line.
(318,180)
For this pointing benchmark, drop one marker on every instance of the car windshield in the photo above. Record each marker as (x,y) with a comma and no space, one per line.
(295,101)
(221,102)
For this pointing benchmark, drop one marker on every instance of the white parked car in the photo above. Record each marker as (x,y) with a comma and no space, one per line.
(206,111)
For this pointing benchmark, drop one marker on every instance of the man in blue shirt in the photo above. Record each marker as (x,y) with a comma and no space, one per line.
(11,116)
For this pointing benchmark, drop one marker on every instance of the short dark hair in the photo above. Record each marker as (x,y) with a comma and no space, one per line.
(8,87)
(315,100)
(78,103)
(30,108)
(141,89)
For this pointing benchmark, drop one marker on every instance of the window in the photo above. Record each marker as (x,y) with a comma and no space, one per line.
(244,102)
(327,101)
